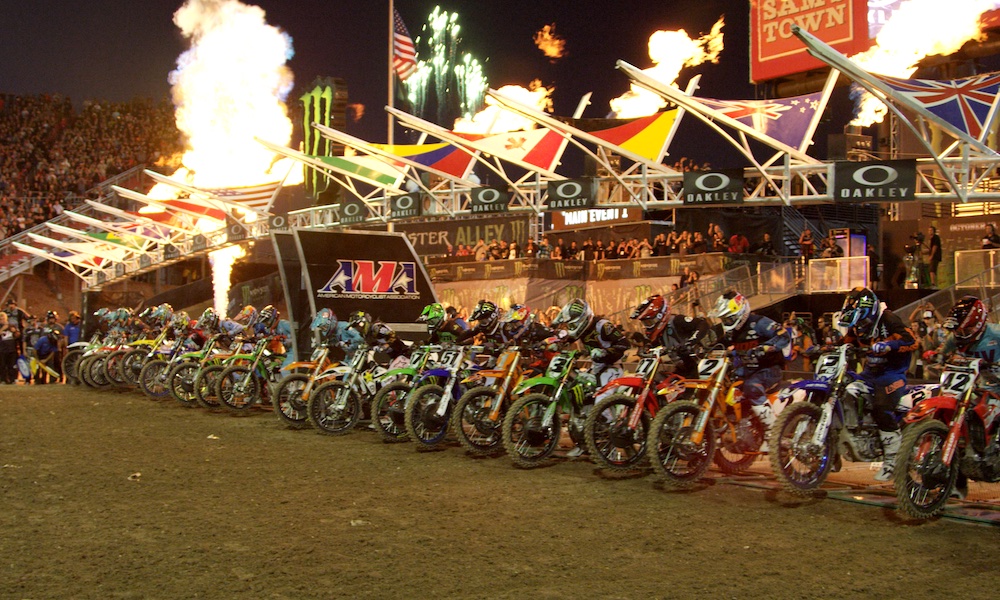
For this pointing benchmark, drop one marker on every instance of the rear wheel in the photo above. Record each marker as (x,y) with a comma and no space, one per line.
(800,465)
(288,404)
(238,389)
(132,364)
(95,371)
(70,362)
(426,424)
(113,367)
(473,422)
(388,411)
(674,451)
(611,442)
(923,481)
(334,408)
(529,441)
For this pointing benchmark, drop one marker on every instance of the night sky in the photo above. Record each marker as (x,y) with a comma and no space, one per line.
(119,49)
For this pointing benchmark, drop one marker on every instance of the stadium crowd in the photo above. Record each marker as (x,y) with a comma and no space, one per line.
(52,154)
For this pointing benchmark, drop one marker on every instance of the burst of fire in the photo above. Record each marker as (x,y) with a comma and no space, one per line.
(670,52)
(355,111)
(229,87)
(496,119)
(552,45)
(918,28)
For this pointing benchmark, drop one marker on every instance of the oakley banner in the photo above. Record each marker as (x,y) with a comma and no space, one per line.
(874,181)
(405,206)
(376,272)
(572,194)
(353,211)
(488,200)
(713,187)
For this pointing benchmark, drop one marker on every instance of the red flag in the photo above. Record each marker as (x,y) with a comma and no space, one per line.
(404,54)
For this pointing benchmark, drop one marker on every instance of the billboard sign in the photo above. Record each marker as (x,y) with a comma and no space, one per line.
(874,181)
(776,52)
(571,194)
(488,200)
(713,187)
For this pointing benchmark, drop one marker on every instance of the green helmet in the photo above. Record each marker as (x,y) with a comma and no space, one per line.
(433,315)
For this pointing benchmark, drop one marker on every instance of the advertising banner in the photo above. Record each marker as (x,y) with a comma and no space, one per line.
(487,200)
(776,52)
(874,181)
(503,269)
(713,187)
(353,211)
(594,217)
(666,266)
(405,206)
(371,271)
(571,194)
(464,295)
(434,237)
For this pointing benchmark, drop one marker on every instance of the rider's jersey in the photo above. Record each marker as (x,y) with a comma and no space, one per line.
(891,330)
(987,347)
(448,333)
(605,335)
(686,335)
(759,331)
(345,336)
(384,339)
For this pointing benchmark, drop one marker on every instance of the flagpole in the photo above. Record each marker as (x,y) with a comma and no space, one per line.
(392,95)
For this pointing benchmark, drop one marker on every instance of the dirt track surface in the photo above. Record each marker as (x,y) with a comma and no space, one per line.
(112,495)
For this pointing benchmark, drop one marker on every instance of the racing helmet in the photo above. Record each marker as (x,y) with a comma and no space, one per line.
(161,314)
(654,314)
(516,321)
(146,315)
(324,322)
(433,315)
(861,310)
(103,314)
(122,316)
(576,317)
(361,322)
(268,316)
(967,320)
(487,316)
(247,316)
(209,320)
(733,309)
(180,321)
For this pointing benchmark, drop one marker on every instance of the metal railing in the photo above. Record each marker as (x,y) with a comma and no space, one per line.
(836,274)
(984,285)
(971,263)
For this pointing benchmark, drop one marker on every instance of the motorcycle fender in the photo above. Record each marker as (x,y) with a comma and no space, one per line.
(930,407)
(190,356)
(811,385)
(631,382)
(76,345)
(535,382)
(300,364)
(404,372)
(485,374)
(445,373)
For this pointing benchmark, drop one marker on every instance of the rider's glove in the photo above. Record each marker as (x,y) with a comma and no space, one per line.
(929,356)
(598,353)
(881,348)
(761,351)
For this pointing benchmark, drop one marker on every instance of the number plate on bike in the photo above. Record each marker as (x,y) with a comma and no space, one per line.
(957,380)
(709,366)
(646,366)
(827,366)
(557,365)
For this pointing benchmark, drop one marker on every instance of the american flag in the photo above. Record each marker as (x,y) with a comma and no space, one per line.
(965,104)
(256,197)
(786,120)
(404,54)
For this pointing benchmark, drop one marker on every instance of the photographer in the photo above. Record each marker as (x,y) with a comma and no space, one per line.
(934,252)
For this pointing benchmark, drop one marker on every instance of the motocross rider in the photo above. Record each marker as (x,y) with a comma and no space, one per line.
(760,341)
(683,336)
(883,381)
(603,339)
(442,330)
(378,335)
(335,333)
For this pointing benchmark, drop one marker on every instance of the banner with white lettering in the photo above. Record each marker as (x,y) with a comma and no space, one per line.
(874,181)
(486,200)
(713,187)
(571,194)
(353,211)
(405,206)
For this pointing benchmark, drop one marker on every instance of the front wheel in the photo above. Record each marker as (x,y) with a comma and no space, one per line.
(611,442)
(334,408)
(132,364)
(679,452)
(425,422)
(473,421)
(527,438)
(239,389)
(153,379)
(288,404)
(180,382)
(95,371)
(206,386)
(923,481)
(800,464)
(70,362)
(113,365)
(388,411)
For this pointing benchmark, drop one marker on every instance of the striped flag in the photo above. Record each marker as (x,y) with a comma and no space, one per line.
(404,54)
(645,137)
(787,120)
(966,104)
(442,157)
(256,197)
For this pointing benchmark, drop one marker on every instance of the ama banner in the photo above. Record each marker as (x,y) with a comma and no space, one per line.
(376,272)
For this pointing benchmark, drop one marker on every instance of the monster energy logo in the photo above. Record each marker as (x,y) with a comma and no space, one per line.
(318,107)
(636,269)
(601,267)
(560,270)
(518,268)
(642,292)
(487,270)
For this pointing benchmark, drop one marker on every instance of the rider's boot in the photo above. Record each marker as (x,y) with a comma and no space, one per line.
(764,414)
(890,448)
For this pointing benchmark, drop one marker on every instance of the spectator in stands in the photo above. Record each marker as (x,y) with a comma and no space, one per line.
(718,241)
(644,249)
(698,245)
(738,244)
(766,247)
(463,251)
(934,252)
(599,251)
(544,251)
(531,249)
(588,252)
(9,337)
(480,250)
(806,246)
(660,246)
(556,252)
(563,250)
(990,239)
(513,251)
(573,253)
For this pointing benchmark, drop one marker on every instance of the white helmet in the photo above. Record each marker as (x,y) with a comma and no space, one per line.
(733,309)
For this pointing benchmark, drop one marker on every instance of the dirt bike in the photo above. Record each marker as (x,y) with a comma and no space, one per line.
(124,366)
(717,426)
(388,405)
(954,433)
(478,416)
(533,425)
(617,427)
(291,395)
(153,379)
(428,409)
(181,375)
(74,352)
(91,366)
(206,380)
(247,380)
(825,424)
(336,406)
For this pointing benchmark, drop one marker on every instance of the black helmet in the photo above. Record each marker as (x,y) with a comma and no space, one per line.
(52,315)
(361,322)
(967,320)
(268,316)
(487,315)
(861,311)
